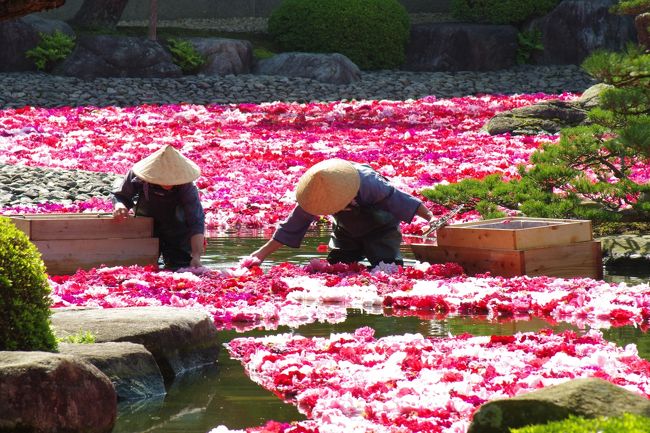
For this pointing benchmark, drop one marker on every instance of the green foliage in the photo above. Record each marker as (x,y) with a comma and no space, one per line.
(627,423)
(262,53)
(80,337)
(629,68)
(24,293)
(371,33)
(631,7)
(500,11)
(617,228)
(51,49)
(587,174)
(185,55)
(528,42)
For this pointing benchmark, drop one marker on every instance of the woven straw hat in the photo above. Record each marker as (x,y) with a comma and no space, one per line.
(328,187)
(166,166)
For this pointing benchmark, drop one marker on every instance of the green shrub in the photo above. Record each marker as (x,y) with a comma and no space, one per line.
(80,337)
(624,424)
(24,293)
(51,49)
(371,33)
(262,53)
(527,43)
(185,55)
(500,11)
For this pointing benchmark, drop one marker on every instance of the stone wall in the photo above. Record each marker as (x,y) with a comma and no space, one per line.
(173,9)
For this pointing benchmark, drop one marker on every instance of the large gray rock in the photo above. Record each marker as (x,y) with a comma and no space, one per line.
(180,339)
(47,26)
(461,47)
(576,28)
(116,56)
(589,398)
(21,35)
(17,38)
(131,367)
(590,98)
(332,68)
(45,392)
(544,117)
(547,116)
(626,251)
(224,56)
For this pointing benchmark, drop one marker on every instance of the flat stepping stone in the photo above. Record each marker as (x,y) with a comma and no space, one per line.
(131,367)
(179,339)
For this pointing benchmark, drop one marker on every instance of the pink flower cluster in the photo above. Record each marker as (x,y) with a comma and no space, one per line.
(252,155)
(402,384)
(292,295)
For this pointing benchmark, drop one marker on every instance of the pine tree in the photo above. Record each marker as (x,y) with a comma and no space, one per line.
(587,174)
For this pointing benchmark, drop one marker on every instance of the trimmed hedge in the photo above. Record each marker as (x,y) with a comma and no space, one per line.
(24,293)
(371,33)
(500,11)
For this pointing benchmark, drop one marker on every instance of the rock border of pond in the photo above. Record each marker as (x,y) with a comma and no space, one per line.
(586,397)
(137,352)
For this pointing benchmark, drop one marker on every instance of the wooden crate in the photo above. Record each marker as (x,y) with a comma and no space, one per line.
(515,233)
(518,246)
(68,242)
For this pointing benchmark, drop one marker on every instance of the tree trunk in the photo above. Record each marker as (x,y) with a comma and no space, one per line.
(642,24)
(17,8)
(153,19)
(99,13)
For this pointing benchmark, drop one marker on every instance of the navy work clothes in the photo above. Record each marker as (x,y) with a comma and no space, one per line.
(368,227)
(177,214)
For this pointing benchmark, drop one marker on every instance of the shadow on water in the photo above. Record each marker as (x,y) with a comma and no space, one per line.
(223,395)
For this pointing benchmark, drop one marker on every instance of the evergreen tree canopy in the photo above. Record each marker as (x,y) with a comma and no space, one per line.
(587,173)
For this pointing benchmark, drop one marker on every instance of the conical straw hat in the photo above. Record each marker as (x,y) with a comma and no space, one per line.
(166,166)
(328,187)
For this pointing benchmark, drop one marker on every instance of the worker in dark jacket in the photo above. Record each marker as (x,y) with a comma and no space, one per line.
(367,211)
(161,187)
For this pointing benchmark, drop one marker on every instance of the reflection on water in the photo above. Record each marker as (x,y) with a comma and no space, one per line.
(225,252)
(223,394)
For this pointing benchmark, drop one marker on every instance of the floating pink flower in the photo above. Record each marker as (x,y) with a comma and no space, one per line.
(409,383)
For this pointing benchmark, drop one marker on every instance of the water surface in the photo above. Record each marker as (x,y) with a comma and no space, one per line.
(223,395)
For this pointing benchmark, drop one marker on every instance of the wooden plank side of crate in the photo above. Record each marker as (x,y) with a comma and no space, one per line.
(87,228)
(63,215)
(451,236)
(554,235)
(583,259)
(66,256)
(512,233)
(507,263)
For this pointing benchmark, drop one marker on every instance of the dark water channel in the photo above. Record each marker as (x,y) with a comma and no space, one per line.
(223,395)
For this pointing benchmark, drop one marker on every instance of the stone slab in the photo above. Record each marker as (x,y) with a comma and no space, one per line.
(180,339)
(131,367)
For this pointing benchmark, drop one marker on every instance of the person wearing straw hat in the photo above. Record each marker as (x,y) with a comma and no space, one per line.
(366,208)
(161,186)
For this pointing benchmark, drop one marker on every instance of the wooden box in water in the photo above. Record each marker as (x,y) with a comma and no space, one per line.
(68,242)
(518,246)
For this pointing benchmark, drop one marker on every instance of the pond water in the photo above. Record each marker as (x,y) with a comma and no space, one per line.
(223,395)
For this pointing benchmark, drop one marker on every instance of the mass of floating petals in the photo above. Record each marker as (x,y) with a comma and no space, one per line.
(292,295)
(408,383)
(251,155)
